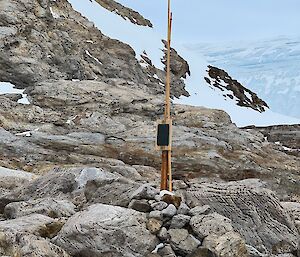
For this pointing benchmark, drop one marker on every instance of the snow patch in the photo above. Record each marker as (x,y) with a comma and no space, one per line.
(54,14)
(159,246)
(26,133)
(70,120)
(165,192)
(8,88)
(96,59)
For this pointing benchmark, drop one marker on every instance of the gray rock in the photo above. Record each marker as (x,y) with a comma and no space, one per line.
(125,12)
(163,234)
(166,251)
(200,210)
(182,242)
(154,225)
(145,192)
(156,214)
(140,205)
(36,224)
(229,244)
(255,212)
(126,171)
(179,184)
(159,206)
(29,245)
(204,225)
(202,252)
(253,252)
(46,206)
(9,173)
(88,232)
(180,221)
(170,211)
(293,208)
(183,209)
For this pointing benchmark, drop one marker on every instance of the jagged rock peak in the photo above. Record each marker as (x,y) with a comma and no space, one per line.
(125,12)
(179,66)
(233,89)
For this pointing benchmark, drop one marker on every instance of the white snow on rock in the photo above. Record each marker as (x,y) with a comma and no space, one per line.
(8,88)
(54,14)
(147,39)
(96,59)
(25,134)
(268,67)
(159,246)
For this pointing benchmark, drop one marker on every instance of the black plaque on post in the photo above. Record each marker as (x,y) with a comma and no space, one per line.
(163,135)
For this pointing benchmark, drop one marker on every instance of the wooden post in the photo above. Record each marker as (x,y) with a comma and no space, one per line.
(166,169)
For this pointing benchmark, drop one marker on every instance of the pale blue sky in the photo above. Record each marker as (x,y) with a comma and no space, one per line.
(224,20)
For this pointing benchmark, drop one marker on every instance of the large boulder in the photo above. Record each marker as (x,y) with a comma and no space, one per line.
(9,180)
(29,245)
(255,212)
(218,235)
(49,207)
(104,230)
(35,224)
(229,244)
(182,242)
(205,225)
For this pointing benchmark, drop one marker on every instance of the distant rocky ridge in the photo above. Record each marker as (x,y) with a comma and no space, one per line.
(234,90)
(125,12)
(87,139)
(287,137)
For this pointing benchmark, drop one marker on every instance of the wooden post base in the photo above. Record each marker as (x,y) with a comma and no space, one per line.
(164,171)
(166,175)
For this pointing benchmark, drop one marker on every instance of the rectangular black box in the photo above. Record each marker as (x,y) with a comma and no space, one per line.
(163,135)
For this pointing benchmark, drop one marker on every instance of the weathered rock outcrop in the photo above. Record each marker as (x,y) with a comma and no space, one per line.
(53,208)
(42,40)
(113,116)
(287,137)
(125,12)
(81,122)
(27,236)
(255,213)
(232,89)
(61,185)
(104,230)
